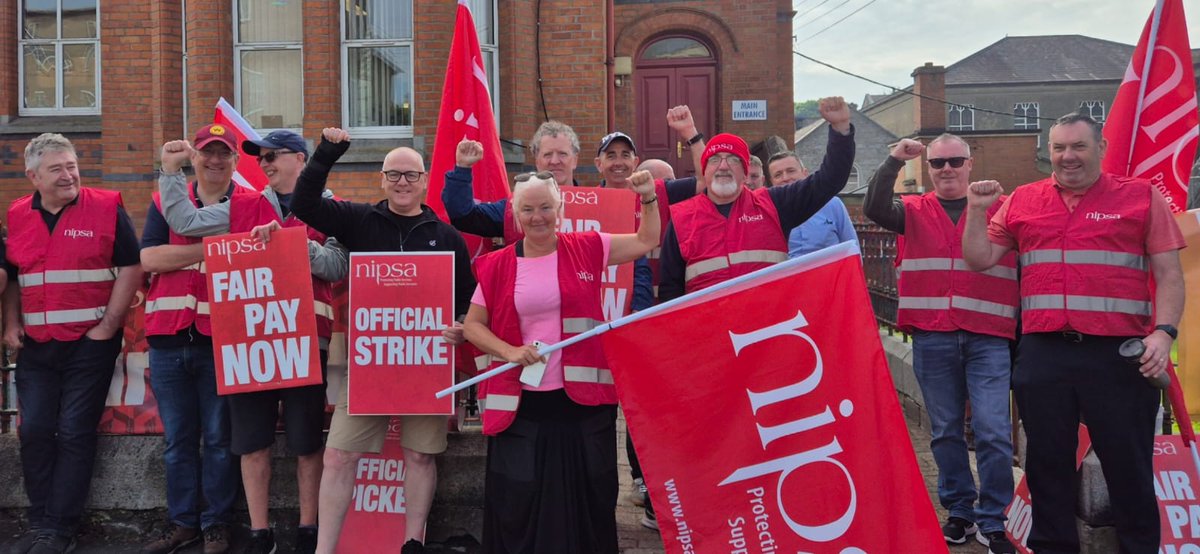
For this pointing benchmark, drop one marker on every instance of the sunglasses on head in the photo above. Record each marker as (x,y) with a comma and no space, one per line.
(541,175)
(269,157)
(955,162)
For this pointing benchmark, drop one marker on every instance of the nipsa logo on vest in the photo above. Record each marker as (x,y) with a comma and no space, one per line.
(77,233)
(232,247)
(750,218)
(586,276)
(1097,216)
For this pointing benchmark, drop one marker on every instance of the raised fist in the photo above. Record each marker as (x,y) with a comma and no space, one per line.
(907,149)
(981,194)
(469,152)
(642,183)
(680,119)
(835,110)
(335,135)
(174,154)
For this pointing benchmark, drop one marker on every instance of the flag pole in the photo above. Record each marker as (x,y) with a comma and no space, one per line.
(1142,84)
(820,257)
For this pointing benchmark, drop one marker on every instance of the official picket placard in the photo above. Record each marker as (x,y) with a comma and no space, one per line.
(1175,485)
(610,211)
(399,304)
(261,303)
(379,506)
(813,453)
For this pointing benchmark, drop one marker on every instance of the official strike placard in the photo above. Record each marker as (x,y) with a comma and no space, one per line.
(264,328)
(608,211)
(399,304)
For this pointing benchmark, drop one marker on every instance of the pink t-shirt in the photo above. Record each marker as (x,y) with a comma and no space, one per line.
(539,309)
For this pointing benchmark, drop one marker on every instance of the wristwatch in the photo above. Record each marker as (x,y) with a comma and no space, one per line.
(696,138)
(1168,329)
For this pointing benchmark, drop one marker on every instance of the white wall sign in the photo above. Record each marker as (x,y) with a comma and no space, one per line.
(749,110)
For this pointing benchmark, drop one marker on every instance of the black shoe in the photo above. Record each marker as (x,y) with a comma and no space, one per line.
(997,542)
(262,541)
(413,546)
(22,544)
(956,530)
(52,543)
(306,540)
(649,521)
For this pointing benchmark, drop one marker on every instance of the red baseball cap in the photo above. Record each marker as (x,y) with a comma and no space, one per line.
(214,132)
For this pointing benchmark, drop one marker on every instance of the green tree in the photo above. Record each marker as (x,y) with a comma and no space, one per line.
(807,108)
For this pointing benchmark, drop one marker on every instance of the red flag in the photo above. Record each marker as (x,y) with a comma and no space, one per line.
(765,419)
(1152,127)
(467,112)
(248,173)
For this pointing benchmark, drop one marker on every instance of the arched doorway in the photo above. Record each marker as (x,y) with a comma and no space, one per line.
(671,70)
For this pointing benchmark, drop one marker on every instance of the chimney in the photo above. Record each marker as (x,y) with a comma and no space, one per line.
(929,115)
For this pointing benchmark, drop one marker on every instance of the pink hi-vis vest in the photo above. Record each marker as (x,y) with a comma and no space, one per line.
(66,275)
(248,211)
(1085,270)
(586,376)
(938,292)
(716,248)
(179,298)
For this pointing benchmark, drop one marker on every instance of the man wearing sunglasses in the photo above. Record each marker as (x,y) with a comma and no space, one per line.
(281,155)
(399,223)
(731,230)
(1090,244)
(961,322)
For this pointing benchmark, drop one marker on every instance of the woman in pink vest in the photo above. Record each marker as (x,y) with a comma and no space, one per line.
(552,460)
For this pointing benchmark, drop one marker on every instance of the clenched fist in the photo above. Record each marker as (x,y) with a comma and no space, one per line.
(335,135)
(680,119)
(836,111)
(174,154)
(982,194)
(642,183)
(907,149)
(469,152)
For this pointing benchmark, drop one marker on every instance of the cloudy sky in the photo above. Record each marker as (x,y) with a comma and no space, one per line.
(886,40)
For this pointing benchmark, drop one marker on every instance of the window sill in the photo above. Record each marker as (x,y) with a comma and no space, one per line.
(65,124)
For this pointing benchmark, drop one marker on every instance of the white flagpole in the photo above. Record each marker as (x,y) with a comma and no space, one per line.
(1142,83)
(820,257)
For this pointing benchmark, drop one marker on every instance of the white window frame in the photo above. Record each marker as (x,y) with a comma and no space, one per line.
(397,131)
(1089,107)
(57,44)
(239,48)
(1027,121)
(967,111)
(493,71)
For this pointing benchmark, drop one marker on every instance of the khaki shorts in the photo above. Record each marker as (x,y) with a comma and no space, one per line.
(420,433)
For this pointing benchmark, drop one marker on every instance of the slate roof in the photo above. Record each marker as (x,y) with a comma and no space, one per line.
(1051,58)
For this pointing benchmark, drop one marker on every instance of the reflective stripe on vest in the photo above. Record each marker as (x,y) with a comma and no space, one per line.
(655,253)
(577,325)
(1091,257)
(67,276)
(746,256)
(1086,303)
(322,309)
(582,374)
(187,302)
(499,402)
(960,302)
(958,264)
(482,361)
(65,316)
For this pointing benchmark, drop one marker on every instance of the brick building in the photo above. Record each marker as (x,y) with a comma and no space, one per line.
(121,78)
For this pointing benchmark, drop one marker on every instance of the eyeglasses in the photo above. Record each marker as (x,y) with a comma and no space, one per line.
(269,157)
(730,159)
(410,176)
(221,154)
(541,175)
(955,162)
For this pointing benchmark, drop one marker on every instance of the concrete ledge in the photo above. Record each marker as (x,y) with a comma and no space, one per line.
(899,357)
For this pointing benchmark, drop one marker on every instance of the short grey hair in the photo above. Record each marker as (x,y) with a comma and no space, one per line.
(950,137)
(43,143)
(1076,117)
(522,186)
(553,128)
(756,161)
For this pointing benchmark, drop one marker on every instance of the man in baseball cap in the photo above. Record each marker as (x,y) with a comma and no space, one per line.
(282,142)
(731,230)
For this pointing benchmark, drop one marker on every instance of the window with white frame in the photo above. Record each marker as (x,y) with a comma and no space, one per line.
(1093,109)
(1025,115)
(961,118)
(377,62)
(60,57)
(268,63)
(484,14)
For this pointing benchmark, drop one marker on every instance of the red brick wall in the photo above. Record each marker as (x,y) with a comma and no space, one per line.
(9,95)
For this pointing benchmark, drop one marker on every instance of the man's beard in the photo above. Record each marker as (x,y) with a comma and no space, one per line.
(724,188)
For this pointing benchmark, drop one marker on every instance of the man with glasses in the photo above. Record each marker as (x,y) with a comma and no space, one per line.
(281,155)
(182,377)
(829,226)
(398,223)
(961,322)
(731,230)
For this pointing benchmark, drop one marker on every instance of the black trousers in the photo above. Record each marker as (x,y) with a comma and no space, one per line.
(1058,383)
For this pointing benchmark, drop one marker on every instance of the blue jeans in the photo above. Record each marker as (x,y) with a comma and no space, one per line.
(186,390)
(61,387)
(952,367)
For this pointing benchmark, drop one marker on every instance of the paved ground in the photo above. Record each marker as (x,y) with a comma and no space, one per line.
(634,539)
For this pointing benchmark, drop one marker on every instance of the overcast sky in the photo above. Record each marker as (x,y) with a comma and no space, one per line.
(886,40)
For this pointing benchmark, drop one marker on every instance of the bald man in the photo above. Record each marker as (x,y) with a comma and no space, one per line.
(658,169)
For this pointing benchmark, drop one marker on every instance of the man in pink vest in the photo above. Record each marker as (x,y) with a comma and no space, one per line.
(732,230)
(1090,244)
(281,155)
(72,270)
(961,322)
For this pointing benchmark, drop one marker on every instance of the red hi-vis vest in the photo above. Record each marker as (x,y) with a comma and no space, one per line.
(716,248)
(586,376)
(177,299)
(248,211)
(1085,270)
(664,217)
(938,292)
(66,275)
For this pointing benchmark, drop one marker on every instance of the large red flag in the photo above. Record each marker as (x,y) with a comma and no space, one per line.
(1152,127)
(765,419)
(248,173)
(467,112)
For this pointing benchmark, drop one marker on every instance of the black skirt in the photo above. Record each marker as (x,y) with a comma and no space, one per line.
(551,483)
